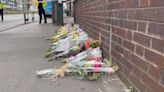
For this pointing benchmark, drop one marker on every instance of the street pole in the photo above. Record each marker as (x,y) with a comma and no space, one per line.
(23,6)
(54,2)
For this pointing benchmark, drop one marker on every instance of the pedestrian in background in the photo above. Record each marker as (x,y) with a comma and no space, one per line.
(41,5)
(32,8)
(1,10)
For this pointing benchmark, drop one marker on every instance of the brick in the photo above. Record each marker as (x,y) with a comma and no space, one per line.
(130,4)
(114,38)
(145,14)
(105,39)
(151,84)
(120,41)
(128,67)
(142,64)
(114,30)
(117,48)
(121,23)
(118,63)
(142,39)
(156,29)
(148,90)
(127,72)
(131,25)
(127,54)
(139,50)
(102,2)
(131,14)
(92,34)
(126,63)
(104,14)
(129,45)
(105,52)
(111,14)
(154,72)
(123,4)
(122,14)
(116,14)
(121,32)
(103,26)
(144,3)
(111,1)
(155,58)
(112,21)
(128,35)
(105,45)
(158,44)
(159,15)
(162,78)
(124,79)
(109,28)
(114,6)
(137,72)
(156,3)
(108,21)
(142,27)
(136,81)
(105,33)
(116,55)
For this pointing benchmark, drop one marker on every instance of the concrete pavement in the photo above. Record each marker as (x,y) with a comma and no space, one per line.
(12,21)
(10,17)
(21,54)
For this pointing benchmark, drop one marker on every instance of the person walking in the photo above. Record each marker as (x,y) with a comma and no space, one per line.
(41,5)
(1,10)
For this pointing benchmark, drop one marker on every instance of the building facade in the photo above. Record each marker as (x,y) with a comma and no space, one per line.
(132,33)
(9,3)
(70,7)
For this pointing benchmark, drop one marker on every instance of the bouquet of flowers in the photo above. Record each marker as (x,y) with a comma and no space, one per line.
(87,65)
(82,55)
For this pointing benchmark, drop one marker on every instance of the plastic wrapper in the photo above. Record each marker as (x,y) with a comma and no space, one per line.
(69,43)
(70,69)
(46,73)
(83,55)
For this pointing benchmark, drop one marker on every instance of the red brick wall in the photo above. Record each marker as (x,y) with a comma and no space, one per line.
(134,29)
